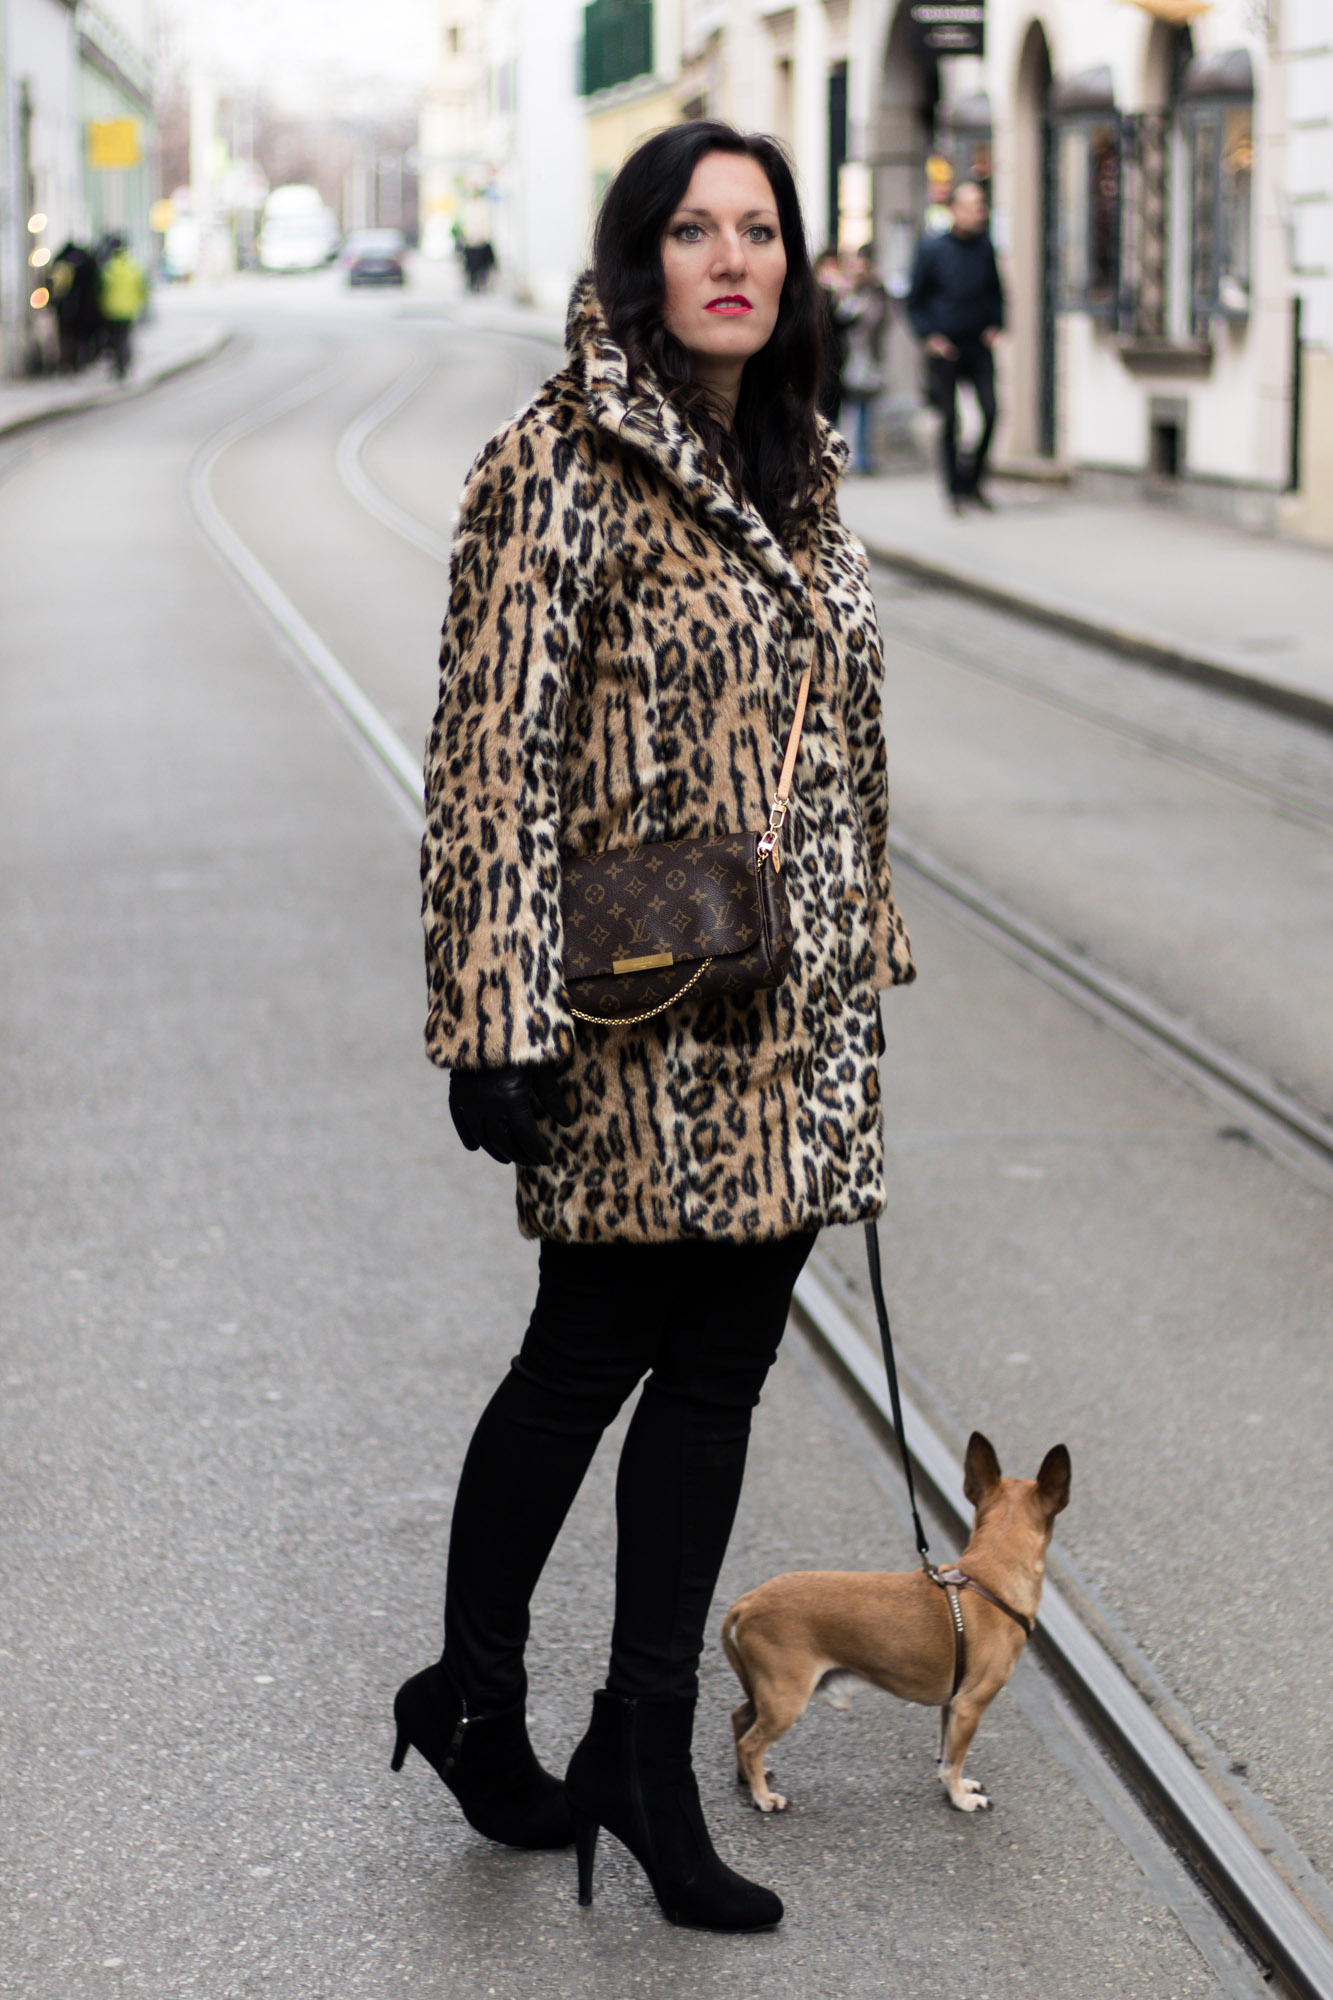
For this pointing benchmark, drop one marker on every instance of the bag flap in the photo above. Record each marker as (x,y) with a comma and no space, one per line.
(634,909)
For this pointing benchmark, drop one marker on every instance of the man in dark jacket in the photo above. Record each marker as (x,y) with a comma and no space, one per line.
(956,305)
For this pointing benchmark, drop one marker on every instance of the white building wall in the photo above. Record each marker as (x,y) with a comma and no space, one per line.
(38,51)
(502,141)
(450,120)
(1307,50)
(550,189)
(1306,29)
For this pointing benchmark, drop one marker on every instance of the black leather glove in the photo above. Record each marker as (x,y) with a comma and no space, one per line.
(496,1110)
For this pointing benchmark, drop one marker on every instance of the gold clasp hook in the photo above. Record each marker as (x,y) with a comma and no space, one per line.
(768,842)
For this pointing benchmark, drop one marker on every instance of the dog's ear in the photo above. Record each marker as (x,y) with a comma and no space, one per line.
(1053,1479)
(981,1469)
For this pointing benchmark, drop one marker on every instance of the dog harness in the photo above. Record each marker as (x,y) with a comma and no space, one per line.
(951,1581)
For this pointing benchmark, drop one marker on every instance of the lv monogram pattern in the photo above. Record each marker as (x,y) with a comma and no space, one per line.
(695,899)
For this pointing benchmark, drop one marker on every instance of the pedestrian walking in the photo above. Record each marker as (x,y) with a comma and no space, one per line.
(649,561)
(863,315)
(956,305)
(75,288)
(832,282)
(124,294)
(479,260)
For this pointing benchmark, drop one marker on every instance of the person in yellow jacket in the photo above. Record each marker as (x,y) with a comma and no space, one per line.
(124,296)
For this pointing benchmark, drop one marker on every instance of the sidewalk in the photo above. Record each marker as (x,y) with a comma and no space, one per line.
(1241,611)
(162,347)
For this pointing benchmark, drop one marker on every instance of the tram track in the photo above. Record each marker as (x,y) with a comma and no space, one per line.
(1235,1862)
(1303,804)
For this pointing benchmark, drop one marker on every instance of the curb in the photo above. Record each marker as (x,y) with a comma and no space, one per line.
(1210,669)
(113,392)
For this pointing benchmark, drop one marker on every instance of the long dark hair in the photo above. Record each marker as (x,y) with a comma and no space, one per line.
(771,454)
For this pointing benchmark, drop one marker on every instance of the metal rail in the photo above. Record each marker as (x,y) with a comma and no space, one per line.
(1266,1911)
(1291,1130)
(1297,802)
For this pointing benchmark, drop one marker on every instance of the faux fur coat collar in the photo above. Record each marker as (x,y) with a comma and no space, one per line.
(655,427)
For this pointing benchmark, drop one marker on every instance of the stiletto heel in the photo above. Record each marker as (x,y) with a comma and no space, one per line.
(585,1846)
(632,1774)
(486,1761)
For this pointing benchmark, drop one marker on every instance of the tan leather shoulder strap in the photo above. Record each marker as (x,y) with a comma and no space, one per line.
(794,740)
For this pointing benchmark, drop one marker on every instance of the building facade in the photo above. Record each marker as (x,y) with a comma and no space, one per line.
(1161,176)
(40,193)
(76,140)
(1305,51)
(115,99)
(501,141)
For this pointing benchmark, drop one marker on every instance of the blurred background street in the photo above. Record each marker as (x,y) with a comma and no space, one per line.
(252,1292)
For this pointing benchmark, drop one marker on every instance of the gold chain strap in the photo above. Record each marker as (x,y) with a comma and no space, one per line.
(633,1020)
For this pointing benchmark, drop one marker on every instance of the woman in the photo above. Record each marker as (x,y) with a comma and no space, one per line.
(647,559)
(863,317)
(833,286)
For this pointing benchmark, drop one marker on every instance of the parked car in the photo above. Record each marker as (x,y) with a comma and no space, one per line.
(375,257)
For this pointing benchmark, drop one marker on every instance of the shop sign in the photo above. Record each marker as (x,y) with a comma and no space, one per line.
(113,142)
(948,27)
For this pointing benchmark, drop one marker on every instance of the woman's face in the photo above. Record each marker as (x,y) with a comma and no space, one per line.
(724,265)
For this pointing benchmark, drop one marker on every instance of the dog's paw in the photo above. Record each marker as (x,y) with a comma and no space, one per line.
(771,1802)
(965,1794)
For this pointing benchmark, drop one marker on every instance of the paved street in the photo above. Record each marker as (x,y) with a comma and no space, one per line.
(253,1293)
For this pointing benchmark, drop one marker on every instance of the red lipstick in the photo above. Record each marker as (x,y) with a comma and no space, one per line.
(732,303)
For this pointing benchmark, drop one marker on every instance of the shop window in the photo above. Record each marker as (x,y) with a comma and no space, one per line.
(1086,132)
(1089,195)
(1221,145)
(1217,115)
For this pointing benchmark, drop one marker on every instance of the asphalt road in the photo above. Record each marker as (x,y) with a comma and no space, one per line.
(254,1294)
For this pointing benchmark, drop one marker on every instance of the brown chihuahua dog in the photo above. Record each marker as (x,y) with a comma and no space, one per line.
(821,1629)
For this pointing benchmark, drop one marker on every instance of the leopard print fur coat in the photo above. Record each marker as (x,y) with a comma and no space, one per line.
(621,655)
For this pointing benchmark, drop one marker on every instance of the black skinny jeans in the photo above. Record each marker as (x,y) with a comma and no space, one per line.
(703,1321)
(973,363)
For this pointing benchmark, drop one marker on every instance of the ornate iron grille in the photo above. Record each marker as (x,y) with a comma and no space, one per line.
(1145,224)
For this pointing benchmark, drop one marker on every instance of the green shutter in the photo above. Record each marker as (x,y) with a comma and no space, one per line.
(617,42)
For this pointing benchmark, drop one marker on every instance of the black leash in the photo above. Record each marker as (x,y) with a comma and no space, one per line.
(886,1342)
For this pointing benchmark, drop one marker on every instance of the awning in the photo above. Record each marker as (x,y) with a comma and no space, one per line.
(1090,90)
(969,114)
(1230,74)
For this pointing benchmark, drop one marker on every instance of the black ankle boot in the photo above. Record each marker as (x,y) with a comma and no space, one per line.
(632,1774)
(486,1761)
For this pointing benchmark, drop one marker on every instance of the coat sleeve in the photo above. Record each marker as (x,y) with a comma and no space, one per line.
(863,723)
(995,307)
(522,578)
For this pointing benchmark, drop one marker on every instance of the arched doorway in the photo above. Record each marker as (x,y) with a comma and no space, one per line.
(903,119)
(1032,385)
